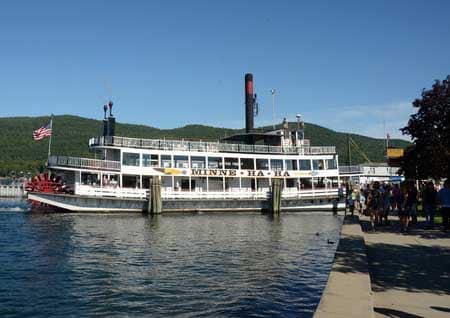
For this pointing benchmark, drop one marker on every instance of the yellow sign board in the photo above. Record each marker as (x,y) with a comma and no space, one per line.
(394,152)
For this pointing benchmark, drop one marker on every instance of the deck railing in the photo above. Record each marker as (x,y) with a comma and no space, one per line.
(350,170)
(202,146)
(133,193)
(76,162)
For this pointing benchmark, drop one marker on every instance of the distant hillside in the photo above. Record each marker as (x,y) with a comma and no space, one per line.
(19,152)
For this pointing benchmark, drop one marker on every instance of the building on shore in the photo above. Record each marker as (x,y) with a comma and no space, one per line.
(370,172)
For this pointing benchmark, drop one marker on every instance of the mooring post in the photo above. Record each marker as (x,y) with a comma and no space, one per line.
(156,199)
(275,199)
(148,208)
(154,196)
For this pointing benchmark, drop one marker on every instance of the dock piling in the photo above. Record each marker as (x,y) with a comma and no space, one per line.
(275,198)
(154,197)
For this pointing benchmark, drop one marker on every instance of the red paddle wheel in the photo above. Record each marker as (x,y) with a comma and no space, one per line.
(42,183)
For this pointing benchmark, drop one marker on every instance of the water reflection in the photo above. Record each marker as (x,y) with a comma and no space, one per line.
(220,264)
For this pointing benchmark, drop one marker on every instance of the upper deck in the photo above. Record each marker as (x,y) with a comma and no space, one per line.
(202,146)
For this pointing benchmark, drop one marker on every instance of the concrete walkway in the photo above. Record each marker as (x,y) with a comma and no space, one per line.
(410,273)
(348,293)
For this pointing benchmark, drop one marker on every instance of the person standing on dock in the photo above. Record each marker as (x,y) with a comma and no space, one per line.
(362,202)
(411,202)
(374,204)
(444,203)
(429,199)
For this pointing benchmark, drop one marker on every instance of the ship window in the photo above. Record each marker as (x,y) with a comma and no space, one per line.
(215,184)
(110,180)
(198,162)
(319,183)
(154,159)
(318,164)
(215,163)
(149,160)
(181,161)
(334,181)
(305,183)
(291,164)
(130,159)
(145,160)
(331,164)
(262,164)
(305,164)
(291,183)
(247,163)
(185,184)
(90,179)
(263,184)
(131,181)
(166,161)
(276,164)
(231,163)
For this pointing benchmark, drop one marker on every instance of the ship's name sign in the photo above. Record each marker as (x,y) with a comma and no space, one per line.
(238,173)
(201,172)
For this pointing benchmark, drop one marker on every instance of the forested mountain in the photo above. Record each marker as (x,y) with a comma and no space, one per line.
(19,152)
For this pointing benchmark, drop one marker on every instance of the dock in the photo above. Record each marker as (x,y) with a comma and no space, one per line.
(388,274)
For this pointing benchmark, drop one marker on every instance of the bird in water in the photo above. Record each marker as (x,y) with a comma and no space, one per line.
(329,241)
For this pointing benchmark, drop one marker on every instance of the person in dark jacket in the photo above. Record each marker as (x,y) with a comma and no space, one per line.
(429,201)
(374,204)
(411,202)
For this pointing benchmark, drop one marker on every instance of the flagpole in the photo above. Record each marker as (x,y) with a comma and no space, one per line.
(50,139)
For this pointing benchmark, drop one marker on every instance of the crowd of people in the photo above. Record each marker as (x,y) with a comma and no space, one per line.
(380,200)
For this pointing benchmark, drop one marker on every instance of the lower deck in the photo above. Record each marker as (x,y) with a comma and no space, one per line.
(77,203)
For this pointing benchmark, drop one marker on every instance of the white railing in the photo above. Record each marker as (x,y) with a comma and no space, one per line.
(322,192)
(350,170)
(168,193)
(115,192)
(182,145)
(214,195)
(88,163)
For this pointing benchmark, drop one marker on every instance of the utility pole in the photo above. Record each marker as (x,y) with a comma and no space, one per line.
(349,155)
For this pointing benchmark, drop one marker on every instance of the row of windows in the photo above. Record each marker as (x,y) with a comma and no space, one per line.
(198,162)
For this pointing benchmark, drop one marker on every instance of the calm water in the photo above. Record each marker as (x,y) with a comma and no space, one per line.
(196,265)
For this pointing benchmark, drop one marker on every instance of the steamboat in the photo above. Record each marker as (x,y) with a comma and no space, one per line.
(236,173)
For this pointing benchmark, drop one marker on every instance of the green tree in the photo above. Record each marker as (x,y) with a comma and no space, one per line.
(429,128)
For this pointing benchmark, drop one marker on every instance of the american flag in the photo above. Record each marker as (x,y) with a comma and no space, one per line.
(44,131)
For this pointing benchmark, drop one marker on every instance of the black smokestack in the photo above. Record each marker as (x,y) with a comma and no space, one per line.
(248,103)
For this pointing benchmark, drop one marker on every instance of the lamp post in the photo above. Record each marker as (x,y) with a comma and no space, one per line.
(299,125)
(272,91)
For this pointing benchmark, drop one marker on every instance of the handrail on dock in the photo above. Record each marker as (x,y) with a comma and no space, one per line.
(203,146)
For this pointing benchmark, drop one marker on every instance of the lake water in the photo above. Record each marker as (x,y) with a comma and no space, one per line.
(184,265)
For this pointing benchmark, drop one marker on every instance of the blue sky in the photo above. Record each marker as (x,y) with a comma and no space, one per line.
(346,65)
